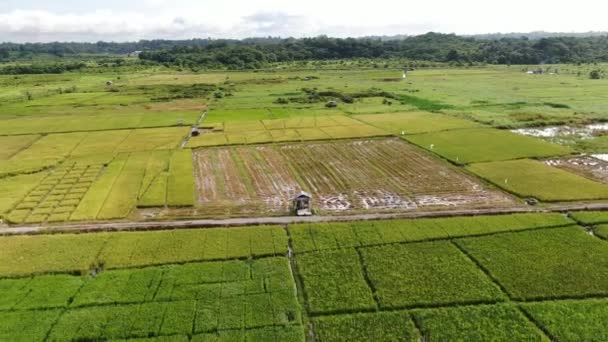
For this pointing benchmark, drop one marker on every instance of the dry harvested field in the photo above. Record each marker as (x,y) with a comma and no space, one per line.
(359,175)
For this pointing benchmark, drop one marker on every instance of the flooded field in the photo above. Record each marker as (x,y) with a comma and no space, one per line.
(363,175)
(565,134)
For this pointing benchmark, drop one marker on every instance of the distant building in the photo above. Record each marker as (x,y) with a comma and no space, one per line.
(133,54)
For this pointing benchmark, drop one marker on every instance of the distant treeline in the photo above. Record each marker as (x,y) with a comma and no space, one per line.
(259,52)
(429,47)
(56,68)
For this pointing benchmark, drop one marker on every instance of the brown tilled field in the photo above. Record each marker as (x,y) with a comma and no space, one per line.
(355,176)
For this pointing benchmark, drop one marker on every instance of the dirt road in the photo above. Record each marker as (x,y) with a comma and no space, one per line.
(253,221)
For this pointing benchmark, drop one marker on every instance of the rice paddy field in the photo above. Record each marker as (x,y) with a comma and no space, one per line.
(266,135)
(469,278)
(445,147)
(368,175)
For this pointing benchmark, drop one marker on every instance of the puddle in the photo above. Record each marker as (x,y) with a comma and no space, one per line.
(583,132)
(603,157)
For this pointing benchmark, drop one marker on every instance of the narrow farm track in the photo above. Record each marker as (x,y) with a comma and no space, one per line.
(196,124)
(282,220)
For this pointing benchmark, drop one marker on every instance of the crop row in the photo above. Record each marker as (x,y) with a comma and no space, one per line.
(41,325)
(155,178)
(563,320)
(15,188)
(284,130)
(373,174)
(56,197)
(323,236)
(184,299)
(22,255)
(51,149)
(529,265)
(208,280)
(96,122)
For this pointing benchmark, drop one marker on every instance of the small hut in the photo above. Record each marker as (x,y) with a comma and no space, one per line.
(195,132)
(331,104)
(302,205)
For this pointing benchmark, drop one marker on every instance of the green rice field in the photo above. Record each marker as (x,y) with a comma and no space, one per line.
(431,219)
(243,283)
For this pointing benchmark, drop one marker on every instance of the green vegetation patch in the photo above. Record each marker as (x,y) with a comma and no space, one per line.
(545,263)
(570,320)
(161,247)
(381,326)
(415,122)
(334,281)
(323,236)
(111,322)
(27,325)
(11,145)
(166,138)
(290,333)
(41,292)
(156,193)
(485,144)
(49,253)
(423,274)
(601,231)
(122,198)
(590,217)
(180,182)
(164,318)
(94,199)
(529,178)
(189,281)
(80,252)
(43,153)
(15,188)
(477,324)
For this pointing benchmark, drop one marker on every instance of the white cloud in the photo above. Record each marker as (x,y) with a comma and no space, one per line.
(181,19)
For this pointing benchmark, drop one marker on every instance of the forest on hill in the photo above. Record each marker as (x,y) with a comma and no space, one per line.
(255,53)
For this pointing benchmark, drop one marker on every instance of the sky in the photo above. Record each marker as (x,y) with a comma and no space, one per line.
(131,20)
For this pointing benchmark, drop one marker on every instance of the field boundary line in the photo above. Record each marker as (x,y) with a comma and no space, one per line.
(368,280)
(301,294)
(446,238)
(345,312)
(23,148)
(483,269)
(418,326)
(537,324)
(90,130)
(64,310)
(453,305)
(138,267)
(589,227)
(428,306)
